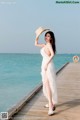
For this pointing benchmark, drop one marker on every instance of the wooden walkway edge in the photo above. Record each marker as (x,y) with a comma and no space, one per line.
(15,109)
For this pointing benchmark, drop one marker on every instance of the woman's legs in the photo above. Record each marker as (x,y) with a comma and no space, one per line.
(46,89)
(48,92)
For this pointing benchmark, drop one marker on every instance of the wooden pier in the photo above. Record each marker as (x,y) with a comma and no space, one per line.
(68,107)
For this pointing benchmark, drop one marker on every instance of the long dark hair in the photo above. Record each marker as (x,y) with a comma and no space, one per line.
(52,41)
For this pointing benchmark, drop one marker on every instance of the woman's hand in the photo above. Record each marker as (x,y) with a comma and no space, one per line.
(37,37)
(45,67)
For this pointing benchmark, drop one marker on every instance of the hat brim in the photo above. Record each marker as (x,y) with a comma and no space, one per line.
(42,31)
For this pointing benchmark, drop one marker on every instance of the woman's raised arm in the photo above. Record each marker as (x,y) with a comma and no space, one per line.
(38,44)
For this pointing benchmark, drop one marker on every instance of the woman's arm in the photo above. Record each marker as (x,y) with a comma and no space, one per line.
(37,44)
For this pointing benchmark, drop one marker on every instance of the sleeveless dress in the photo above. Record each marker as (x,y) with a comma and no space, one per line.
(50,73)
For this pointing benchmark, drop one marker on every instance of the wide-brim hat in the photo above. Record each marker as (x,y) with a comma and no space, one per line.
(40,30)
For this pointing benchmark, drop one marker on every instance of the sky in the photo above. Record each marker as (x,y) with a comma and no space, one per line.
(20,18)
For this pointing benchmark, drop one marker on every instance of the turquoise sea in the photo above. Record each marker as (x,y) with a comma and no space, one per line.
(20,73)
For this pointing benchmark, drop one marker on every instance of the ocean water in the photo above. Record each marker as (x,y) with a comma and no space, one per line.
(20,73)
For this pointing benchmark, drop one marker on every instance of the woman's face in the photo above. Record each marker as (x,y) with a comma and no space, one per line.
(47,37)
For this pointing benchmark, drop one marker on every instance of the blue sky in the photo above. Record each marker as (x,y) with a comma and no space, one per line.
(19,20)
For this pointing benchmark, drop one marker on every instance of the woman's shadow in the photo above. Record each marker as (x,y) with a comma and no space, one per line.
(68,105)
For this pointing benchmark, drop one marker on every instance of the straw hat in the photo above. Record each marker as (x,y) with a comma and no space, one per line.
(40,30)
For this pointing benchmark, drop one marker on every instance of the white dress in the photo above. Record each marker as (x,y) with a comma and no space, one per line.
(50,73)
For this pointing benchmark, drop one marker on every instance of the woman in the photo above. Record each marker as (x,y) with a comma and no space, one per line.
(48,51)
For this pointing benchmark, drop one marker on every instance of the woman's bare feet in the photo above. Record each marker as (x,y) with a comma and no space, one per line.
(47,106)
(51,111)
